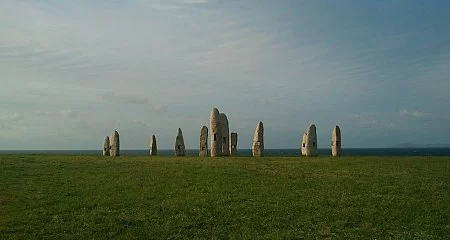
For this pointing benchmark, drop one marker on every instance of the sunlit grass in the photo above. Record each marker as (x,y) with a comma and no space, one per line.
(90,197)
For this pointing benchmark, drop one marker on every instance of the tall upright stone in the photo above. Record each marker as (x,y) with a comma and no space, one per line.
(304,144)
(336,142)
(180,149)
(153,146)
(258,141)
(311,141)
(106,146)
(115,144)
(203,148)
(216,133)
(233,144)
(225,134)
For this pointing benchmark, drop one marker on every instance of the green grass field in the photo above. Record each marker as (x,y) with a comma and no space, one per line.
(90,197)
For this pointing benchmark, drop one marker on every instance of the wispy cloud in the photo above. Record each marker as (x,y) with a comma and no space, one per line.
(69,113)
(15,117)
(159,108)
(128,99)
(61,113)
(412,113)
(168,62)
(195,1)
(12,123)
(367,118)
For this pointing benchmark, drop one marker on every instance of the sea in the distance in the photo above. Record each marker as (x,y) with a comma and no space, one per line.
(268,152)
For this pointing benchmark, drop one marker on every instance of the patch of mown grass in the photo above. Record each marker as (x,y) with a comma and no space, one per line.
(79,197)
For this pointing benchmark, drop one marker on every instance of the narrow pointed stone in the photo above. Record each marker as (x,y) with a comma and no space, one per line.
(115,144)
(203,148)
(153,146)
(225,134)
(106,146)
(233,144)
(216,133)
(311,141)
(180,149)
(336,142)
(304,144)
(258,141)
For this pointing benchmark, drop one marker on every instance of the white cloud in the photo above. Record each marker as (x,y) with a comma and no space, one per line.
(412,113)
(61,113)
(44,113)
(366,118)
(69,113)
(12,123)
(159,108)
(11,117)
(195,1)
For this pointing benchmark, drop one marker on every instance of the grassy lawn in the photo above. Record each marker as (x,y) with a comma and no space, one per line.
(90,197)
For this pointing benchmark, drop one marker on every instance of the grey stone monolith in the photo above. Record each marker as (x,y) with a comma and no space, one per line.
(336,142)
(180,149)
(233,144)
(258,141)
(216,133)
(106,146)
(304,144)
(153,146)
(225,134)
(203,148)
(115,144)
(311,141)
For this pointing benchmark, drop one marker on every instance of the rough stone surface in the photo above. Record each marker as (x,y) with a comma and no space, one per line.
(233,144)
(153,146)
(304,145)
(216,133)
(115,144)
(180,149)
(311,141)
(336,142)
(225,134)
(203,148)
(106,146)
(258,141)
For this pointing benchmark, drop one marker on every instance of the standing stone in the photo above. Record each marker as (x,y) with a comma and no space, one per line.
(153,146)
(216,133)
(225,134)
(258,141)
(106,146)
(304,145)
(115,144)
(336,142)
(180,149)
(311,141)
(203,148)
(233,144)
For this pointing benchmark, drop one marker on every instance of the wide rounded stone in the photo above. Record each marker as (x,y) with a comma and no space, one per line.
(115,144)
(336,144)
(311,141)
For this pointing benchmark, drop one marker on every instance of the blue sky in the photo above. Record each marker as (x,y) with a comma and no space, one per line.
(71,71)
